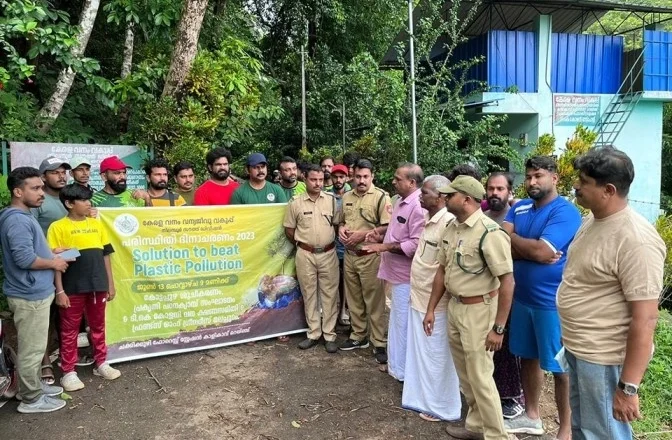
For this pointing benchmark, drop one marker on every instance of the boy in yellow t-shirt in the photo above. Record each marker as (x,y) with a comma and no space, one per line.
(85,287)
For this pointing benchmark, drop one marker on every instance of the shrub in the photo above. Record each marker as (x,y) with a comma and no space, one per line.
(656,393)
(664,228)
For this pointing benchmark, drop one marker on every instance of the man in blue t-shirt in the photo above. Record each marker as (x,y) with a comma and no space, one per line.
(541,229)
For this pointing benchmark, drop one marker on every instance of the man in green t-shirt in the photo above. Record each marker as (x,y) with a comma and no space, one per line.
(257,190)
(115,194)
(288,181)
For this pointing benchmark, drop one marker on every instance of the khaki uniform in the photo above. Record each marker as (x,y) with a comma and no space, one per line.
(363,290)
(469,324)
(317,271)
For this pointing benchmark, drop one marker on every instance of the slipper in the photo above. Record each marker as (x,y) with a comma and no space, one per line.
(283,338)
(48,378)
(429,418)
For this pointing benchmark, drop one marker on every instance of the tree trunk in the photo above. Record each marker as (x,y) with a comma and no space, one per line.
(220,7)
(185,46)
(54,105)
(126,64)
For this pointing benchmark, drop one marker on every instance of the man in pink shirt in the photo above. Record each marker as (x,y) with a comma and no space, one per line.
(397,251)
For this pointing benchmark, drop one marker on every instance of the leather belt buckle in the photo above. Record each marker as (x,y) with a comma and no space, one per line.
(318,250)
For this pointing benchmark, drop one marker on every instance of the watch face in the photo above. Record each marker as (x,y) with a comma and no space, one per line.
(630,390)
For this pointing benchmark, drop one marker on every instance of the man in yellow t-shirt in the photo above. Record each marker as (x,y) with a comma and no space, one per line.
(157,182)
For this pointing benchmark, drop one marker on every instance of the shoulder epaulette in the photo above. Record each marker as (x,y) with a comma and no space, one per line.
(489,224)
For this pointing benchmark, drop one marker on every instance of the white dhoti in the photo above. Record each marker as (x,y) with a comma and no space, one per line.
(398,329)
(431,385)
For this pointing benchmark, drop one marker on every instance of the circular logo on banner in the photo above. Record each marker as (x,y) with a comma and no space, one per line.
(270,197)
(126,225)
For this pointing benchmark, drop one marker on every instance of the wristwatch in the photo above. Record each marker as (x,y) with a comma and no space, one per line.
(629,389)
(499,329)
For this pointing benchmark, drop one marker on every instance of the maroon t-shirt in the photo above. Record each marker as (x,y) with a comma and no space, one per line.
(212,194)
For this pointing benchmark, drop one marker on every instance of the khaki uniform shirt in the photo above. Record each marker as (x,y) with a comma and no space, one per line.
(464,239)
(364,212)
(313,221)
(425,261)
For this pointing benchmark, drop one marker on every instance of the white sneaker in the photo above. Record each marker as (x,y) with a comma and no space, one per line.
(106,372)
(82,340)
(71,382)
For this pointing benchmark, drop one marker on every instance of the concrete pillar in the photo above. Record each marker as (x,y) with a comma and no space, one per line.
(544,29)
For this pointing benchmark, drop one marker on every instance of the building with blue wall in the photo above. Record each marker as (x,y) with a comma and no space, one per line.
(548,77)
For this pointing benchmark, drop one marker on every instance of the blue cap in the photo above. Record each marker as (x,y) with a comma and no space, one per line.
(255,159)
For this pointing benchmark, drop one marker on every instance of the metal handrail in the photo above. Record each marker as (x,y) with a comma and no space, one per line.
(608,116)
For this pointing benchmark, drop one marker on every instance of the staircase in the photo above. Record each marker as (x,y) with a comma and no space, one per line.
(620,107)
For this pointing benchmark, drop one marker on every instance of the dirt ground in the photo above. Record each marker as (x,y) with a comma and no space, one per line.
(269,391)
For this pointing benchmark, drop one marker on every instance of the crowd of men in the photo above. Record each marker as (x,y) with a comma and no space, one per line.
(486,292)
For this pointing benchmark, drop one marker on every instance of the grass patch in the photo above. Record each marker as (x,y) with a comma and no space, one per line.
(656,391)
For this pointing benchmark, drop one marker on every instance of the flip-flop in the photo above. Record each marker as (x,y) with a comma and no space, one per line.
(48,378)
(429,418)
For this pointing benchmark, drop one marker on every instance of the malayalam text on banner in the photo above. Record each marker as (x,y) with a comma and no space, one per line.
(199,277)
(31,154)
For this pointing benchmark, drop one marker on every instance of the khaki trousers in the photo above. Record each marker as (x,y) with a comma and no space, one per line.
(468,326)
(31,319)
(318,278)
(366,298)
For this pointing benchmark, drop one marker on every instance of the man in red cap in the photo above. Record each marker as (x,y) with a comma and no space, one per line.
(115,194)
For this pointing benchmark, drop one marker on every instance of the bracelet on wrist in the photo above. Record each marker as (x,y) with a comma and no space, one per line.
(60,292)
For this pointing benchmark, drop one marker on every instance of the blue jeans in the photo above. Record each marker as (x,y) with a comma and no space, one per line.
(591,397)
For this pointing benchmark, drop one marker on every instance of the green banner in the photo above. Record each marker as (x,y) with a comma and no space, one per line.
(31,154)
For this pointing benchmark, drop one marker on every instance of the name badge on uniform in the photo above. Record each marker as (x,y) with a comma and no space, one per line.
(308,213)
(348,204)
(401,220)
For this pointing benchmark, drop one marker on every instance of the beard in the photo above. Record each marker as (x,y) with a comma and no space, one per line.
(220,175)
(338,186)
(327,175)
(290,179)
(496,204)
(118,187)
(159,185)
(35,204)
(538,194)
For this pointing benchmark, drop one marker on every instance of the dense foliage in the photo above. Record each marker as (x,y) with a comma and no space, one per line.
(243,89)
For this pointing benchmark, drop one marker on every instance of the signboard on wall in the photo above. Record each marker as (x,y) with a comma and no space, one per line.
(31,154)
(570,109)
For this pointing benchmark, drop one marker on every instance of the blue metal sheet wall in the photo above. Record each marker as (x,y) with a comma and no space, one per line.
(475,47)
(586,63)
(512,61)
(657,61)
